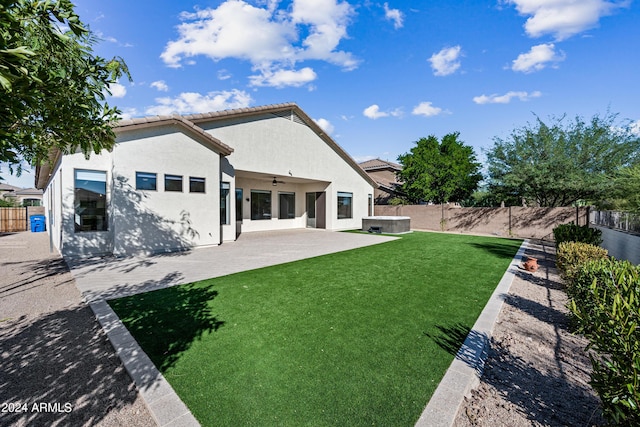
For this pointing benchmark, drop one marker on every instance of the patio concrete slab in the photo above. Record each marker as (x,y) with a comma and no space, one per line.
(109,278)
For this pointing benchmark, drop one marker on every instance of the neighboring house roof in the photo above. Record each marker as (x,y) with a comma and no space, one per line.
(375,164)
(189,123)
(7,187)
(29,192)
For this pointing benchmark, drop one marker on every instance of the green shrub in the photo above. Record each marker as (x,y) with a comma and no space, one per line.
(571,255)
(605,300)
(577,233)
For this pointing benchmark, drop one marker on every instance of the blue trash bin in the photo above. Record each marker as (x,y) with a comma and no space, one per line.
(37,223)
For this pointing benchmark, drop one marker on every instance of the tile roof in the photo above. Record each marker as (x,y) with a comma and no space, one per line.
(7,187)
(29,192)
(379,164)
(238,112)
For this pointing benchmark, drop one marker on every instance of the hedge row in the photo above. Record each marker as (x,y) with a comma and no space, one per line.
(604,298)
(571,255)
(577,233)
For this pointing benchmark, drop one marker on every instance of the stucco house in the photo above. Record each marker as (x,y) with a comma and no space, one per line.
(21,196)
(7,191)
(384,173)
(180,182)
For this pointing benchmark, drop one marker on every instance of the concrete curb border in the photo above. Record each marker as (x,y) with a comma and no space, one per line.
(466,369)
(162,401)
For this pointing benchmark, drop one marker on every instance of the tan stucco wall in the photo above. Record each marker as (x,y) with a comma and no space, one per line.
(141,221)
(279,147)
(157,221)
(515,221)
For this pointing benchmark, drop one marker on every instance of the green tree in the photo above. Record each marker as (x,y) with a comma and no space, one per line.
(558,164)
(439,172)
(627,189)
(7,203)
(52,87)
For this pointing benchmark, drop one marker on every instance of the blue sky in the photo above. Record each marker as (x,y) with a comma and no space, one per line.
(377,76)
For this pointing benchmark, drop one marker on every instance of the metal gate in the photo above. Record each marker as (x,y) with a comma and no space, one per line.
(13,219)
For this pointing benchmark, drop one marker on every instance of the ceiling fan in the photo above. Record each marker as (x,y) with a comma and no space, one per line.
(276,182)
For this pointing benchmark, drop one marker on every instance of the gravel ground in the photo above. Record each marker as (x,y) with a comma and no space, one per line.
(57,367)
(537,372)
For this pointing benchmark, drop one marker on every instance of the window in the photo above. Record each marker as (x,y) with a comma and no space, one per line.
(344,205)
(31,202)
(196,185)
(225,200)
(239,204)
(287,203)
(146,181)
(260,204)
(172,183)
(90,200)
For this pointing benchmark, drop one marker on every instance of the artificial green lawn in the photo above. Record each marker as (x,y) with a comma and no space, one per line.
(360,337)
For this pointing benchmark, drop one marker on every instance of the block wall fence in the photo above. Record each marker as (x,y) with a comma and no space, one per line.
(521,222)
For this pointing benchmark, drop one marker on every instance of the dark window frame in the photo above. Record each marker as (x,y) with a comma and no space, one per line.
(225,203)
(194,181)
(90,210)
(345,205)
(259,212)
(239,204)
(171,180)
(140,179)
(291,213)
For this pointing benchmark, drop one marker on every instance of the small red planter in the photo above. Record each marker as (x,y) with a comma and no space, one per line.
(530,264)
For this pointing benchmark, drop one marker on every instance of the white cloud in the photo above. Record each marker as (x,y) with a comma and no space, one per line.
(117,90)
(326,22)
(360,159)
(506,98)
(373,112)
(234,30)
(537,58)
(325,125)
(564,18)
(268,37)
(223,75)
(128,113)
(426,109)
(446,61)
(103,37)
(635,128)
(394,15)
(160,85)
(283,78)
(192,102)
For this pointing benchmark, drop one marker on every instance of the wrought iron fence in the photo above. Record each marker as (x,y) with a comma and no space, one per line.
(624,221)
